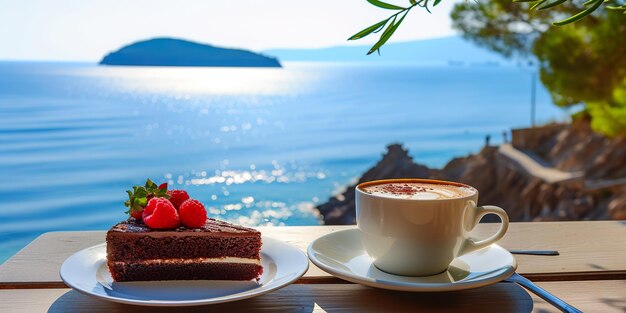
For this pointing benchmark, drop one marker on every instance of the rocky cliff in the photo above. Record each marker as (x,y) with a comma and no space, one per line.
(396,163)
(573,147)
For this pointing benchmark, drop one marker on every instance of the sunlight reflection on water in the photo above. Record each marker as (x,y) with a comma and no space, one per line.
(187,81)
(258,146)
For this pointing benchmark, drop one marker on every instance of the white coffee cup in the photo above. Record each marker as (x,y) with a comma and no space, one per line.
(421,237)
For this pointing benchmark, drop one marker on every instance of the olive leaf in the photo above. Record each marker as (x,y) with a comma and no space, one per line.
(385,5)
(387,33)
(534,6)
(551,5)
(595,4)
(369,30)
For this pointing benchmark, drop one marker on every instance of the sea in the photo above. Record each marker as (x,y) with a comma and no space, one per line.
(258,146)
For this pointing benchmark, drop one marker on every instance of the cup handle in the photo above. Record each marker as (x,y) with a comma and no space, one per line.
(472,244)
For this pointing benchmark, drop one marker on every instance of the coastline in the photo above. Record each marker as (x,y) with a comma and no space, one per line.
(551,176)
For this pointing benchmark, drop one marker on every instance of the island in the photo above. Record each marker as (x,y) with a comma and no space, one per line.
(178,52)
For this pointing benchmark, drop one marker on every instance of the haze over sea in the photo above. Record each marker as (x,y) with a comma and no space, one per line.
(257,146)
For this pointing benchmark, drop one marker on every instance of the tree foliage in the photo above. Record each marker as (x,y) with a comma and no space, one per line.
(583,62)
(575,13)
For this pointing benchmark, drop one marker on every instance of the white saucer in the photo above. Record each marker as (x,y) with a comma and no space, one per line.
(86,271)
(342,254)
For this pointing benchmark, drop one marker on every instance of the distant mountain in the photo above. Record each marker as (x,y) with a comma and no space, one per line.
(448,50)
(177,52)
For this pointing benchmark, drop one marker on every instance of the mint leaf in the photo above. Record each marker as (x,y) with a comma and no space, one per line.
(138,197)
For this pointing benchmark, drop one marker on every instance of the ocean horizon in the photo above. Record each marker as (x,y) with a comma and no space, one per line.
(259,146)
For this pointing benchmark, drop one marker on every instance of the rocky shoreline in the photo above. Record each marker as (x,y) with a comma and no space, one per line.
(599,194)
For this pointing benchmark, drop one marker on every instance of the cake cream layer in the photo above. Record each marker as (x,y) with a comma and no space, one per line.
(192,261)
(122,272)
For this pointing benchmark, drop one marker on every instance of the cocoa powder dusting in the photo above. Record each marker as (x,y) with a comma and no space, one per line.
(404,189)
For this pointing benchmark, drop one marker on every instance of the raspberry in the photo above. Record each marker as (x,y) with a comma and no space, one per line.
(160,214)
(138,215)
(177,197)
(192,214)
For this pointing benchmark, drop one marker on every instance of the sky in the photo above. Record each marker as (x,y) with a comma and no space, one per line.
(85,30)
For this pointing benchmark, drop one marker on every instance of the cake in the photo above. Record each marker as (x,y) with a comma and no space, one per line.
(217,250)
(169,237)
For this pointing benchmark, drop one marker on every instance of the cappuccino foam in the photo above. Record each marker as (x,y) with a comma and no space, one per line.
(418,191)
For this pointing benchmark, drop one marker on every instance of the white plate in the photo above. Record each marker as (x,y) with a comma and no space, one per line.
(86,271)
(342,254)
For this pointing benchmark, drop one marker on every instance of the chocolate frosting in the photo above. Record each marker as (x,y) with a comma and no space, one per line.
(212,226)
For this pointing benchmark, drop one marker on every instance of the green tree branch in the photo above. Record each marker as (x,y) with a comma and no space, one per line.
(392,22)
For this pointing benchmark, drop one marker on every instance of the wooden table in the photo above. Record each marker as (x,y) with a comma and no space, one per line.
(590,273)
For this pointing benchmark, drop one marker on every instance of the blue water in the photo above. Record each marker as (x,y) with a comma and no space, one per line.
(257,146)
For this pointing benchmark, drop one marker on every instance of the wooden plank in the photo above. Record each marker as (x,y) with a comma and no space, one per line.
(589,250)
(597,296)
(38,264)
(40,261)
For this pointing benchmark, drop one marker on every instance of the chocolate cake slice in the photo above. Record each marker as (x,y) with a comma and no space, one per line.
(217,250)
